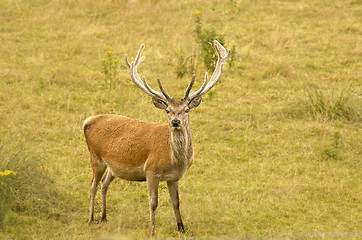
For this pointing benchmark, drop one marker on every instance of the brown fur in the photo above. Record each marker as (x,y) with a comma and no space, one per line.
(131,148)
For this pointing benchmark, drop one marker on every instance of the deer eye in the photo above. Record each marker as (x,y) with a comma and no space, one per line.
(187,110)
(167,111)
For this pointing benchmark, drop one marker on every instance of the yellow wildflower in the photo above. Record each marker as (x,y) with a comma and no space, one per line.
(103,59)
(43,200)
(109,52)
(197,13)
(8,172)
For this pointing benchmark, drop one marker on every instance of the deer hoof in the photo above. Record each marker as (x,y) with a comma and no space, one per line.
(180,227)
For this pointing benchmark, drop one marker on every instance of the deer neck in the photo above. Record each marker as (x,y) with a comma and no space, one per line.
(181,145)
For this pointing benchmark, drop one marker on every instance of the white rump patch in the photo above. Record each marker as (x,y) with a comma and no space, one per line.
(87,120)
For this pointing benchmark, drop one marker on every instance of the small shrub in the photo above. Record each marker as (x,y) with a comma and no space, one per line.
(205,38)
(332,152)
(184,64)
(234,6)
(41,82)
(206,53)
(110,69)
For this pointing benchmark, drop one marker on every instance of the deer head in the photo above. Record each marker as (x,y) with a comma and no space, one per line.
(177,110)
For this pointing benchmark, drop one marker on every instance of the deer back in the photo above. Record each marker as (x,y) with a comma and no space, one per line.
(127,145)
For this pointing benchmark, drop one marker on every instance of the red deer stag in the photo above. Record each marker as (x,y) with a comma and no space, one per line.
(141,151)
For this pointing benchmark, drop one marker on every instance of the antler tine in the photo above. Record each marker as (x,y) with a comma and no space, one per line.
(133,67)
(194,94)
(214,79)
(223,56)
(138,60)
(220,48)
(127,63)
(191,84)
(136,78)
(155,93)
(163,90)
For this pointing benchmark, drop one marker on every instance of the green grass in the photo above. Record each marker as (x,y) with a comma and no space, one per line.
(270,159)
(332,105)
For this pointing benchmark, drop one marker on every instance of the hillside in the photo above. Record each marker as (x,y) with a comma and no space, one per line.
(277,142)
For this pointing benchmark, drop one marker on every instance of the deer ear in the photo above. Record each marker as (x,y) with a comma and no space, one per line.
(159,103)
(194,102)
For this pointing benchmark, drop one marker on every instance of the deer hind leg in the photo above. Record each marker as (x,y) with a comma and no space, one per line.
(98,171)
(107,179)
(152,186)
(173,191)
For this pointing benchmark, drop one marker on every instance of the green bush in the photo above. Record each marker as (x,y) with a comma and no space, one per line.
(205,38)
(206,54)
(110,69)
(25,185)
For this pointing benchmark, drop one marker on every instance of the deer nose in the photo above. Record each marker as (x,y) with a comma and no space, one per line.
(175,123)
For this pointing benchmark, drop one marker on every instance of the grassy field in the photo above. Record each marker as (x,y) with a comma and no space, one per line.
(277,144)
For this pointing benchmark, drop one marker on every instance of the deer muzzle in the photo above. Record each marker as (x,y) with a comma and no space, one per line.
(175,123)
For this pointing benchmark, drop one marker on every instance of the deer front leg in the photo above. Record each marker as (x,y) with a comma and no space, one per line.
(152,186)
(173,191)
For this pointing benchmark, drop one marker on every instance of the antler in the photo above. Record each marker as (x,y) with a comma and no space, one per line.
(142,84)
(223,56)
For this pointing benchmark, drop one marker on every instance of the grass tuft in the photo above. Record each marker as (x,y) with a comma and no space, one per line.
(334,104)
(28,188)
(332,151)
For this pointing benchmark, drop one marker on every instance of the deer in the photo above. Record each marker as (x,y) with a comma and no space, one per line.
(134,150)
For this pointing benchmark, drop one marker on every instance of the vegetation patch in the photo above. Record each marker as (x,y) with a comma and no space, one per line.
(25,185)
(333,104)
(205,52)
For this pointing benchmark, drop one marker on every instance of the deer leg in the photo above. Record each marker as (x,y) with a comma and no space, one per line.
(98,171)
(152,186)
(107,179)
(173,191)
